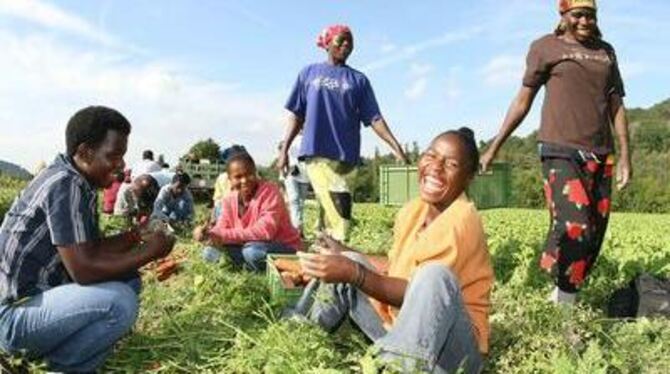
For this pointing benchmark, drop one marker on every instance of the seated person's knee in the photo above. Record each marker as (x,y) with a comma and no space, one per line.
(124,301)
(435,272)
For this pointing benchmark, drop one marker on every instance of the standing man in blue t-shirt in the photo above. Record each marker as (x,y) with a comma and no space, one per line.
(328,102)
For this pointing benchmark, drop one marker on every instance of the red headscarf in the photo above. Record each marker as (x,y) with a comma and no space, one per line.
(327,35)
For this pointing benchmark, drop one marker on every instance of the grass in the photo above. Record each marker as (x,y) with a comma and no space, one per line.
(213,319)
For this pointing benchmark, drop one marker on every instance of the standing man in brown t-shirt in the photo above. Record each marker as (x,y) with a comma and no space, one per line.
(583,99)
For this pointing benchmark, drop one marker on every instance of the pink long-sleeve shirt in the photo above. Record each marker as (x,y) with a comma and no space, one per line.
(266,219)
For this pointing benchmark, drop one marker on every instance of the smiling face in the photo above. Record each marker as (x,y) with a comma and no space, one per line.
(443,171)
(341,47)
(581,23)
(243,178)
(99,164)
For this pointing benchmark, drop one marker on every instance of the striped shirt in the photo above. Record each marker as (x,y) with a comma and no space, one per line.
(57,208)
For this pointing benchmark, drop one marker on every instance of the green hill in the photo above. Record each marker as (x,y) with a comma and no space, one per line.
(650,146)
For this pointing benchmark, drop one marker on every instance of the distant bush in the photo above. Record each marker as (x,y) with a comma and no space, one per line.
(9,190)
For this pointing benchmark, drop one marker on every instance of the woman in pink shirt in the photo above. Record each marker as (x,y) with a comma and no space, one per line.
(254,220)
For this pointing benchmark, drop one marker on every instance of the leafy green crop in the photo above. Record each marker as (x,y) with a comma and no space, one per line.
(213,319)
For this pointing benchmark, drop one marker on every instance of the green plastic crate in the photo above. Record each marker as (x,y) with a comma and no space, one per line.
(399,184)
(279,293)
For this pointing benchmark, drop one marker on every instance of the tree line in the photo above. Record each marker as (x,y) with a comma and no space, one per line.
(648,192)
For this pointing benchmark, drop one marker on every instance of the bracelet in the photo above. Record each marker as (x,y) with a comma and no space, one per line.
(356,276)
(360,275)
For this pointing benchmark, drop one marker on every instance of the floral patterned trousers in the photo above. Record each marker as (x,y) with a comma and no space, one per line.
(577,189)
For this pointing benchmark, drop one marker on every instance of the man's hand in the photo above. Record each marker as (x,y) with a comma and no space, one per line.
(160,244)
(329,268)
(401,157)
(200,233)
(624,173)
(282,163)
(486,159)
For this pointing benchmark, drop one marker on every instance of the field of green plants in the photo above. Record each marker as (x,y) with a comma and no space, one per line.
(210,318)
(213,319)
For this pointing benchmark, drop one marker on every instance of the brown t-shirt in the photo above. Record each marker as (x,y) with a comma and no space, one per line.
(579,83)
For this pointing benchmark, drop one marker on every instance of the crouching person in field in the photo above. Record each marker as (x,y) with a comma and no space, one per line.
(175,202)
(67,294)
(135,200)
(430,312)
(254,220)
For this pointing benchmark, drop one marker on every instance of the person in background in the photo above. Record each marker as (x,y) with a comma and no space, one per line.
(328,103)
(175,202)
(430,311)
(162,177)
(110,193)
(161,161)
(146,165)
(67,293)
(296,184)
(583,101)
(135,199)
(254,220)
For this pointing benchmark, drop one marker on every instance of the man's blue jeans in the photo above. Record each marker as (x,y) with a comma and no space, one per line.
(72,327)
(180,212)
(251,255)
(432,332)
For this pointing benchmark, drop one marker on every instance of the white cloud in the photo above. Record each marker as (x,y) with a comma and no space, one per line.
(417,88)
(503,70)
(45,81)
(388,47)
(418,74)
(53,17)
(407,52)
(419,69)
(451,89)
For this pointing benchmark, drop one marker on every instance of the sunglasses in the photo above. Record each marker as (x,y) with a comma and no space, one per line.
(578,14)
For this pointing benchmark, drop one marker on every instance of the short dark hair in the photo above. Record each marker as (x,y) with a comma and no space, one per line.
(90,126)
(467,137)
(149,191)
(228,152)
(242,156)
(181,178)
(148,155)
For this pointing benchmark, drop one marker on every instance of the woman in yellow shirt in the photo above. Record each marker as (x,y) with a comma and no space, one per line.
(430,312)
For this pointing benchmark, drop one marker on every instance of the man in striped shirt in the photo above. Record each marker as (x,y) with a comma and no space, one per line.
(67,294)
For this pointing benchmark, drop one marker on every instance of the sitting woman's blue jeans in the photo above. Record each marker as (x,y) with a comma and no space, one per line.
(251,255)
(72,327)
(432,332)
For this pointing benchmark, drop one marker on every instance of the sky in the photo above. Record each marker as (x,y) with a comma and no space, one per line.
(183,71)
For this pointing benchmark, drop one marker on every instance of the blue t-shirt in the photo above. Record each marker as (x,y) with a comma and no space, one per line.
(333,100)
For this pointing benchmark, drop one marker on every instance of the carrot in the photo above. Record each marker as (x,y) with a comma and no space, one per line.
(288,265)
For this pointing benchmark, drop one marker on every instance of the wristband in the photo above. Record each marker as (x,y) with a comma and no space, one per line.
(360,275)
